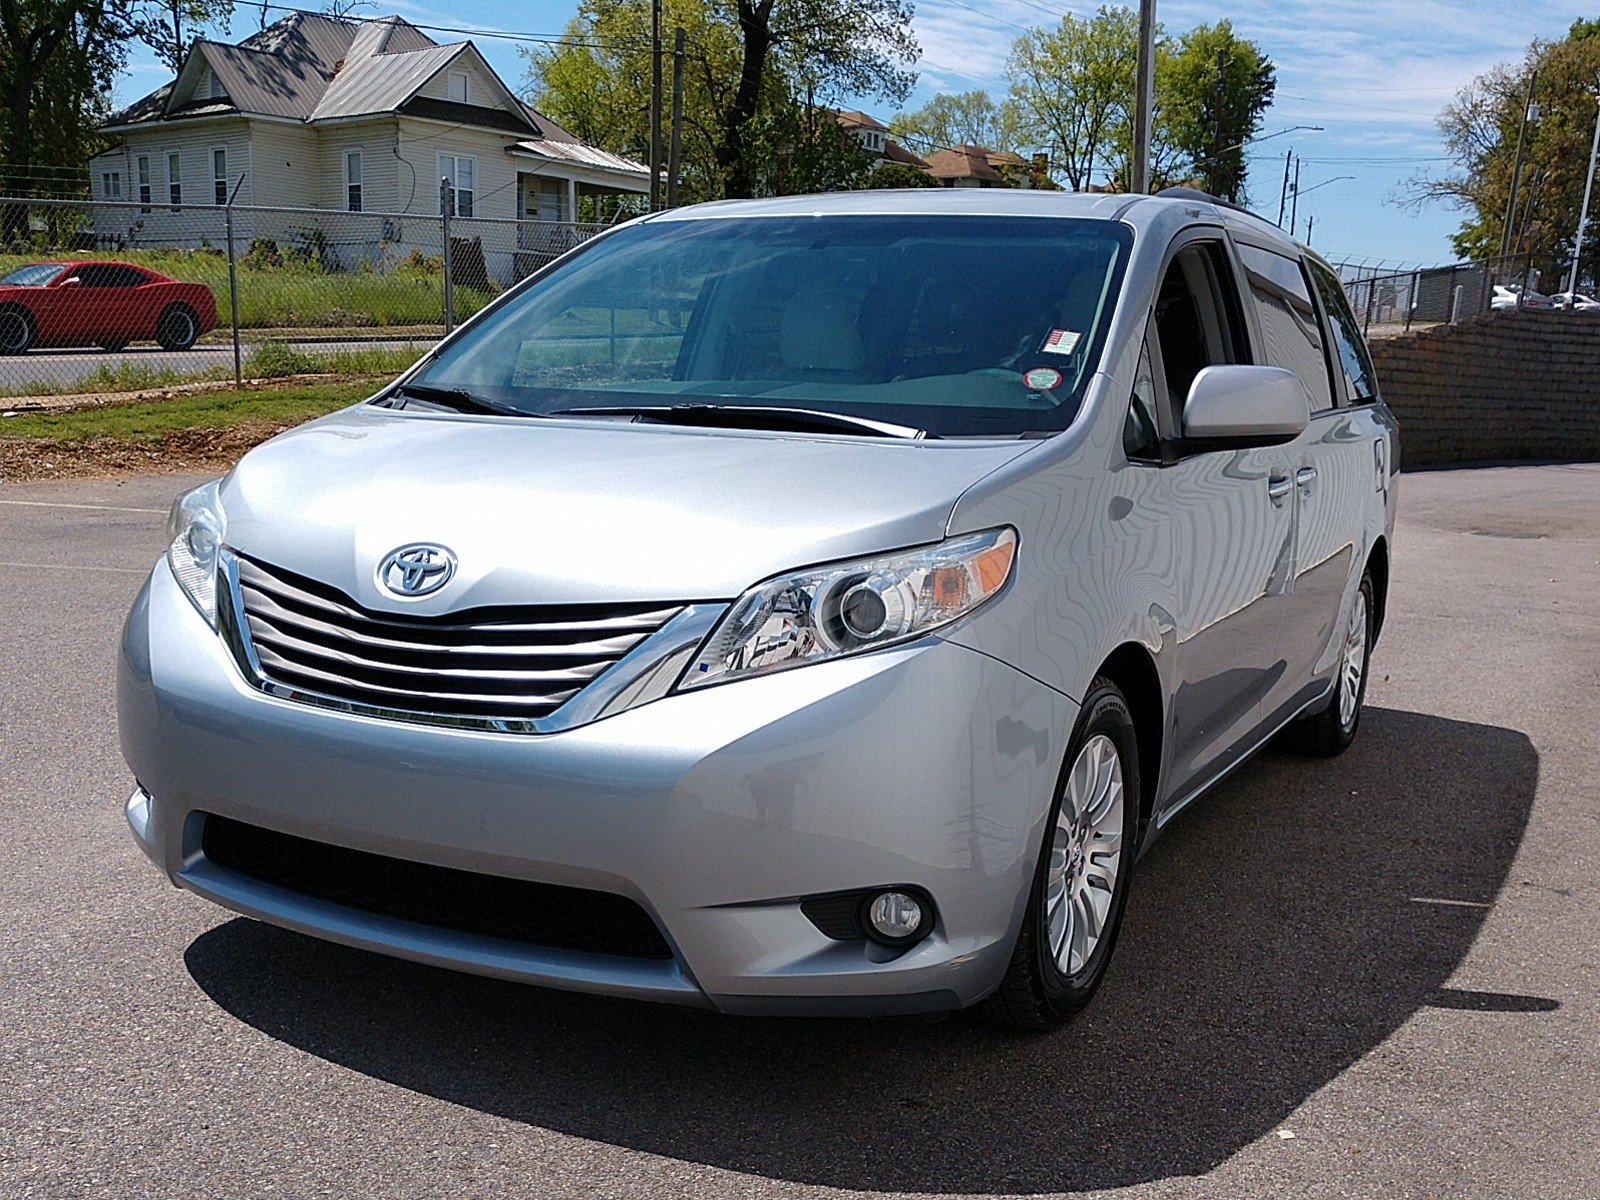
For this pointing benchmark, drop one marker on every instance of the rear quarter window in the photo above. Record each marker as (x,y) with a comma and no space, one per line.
(1354,360)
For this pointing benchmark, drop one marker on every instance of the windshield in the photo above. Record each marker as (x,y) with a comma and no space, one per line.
(36,275)
(962,326)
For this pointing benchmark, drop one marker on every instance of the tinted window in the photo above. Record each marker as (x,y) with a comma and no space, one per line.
(921,320)
(104,275)
(1140,436)
(1289,325)
(1355,364)
(1196,324)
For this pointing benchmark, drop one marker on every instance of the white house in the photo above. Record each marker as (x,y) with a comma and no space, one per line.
(358,117)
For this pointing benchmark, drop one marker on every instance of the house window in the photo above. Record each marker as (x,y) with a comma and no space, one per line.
(458,86)
(219,174)
(460,172)
(143,165)
(111,185)
(352,180)
(174,180)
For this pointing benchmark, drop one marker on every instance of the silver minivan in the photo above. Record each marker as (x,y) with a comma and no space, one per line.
(810,605)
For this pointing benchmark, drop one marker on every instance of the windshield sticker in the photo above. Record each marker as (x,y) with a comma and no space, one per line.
(1061,341)
(1041,379)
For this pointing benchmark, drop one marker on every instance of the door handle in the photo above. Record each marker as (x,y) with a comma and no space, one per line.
(1305,476)
(1278,488)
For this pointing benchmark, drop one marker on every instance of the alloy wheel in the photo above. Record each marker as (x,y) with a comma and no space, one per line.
(1353,665)
(1085,854)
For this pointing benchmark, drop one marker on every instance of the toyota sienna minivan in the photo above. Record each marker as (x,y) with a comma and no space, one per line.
(809,605)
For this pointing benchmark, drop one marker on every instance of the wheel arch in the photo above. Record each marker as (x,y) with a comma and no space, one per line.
(1133,669)
(1378,566)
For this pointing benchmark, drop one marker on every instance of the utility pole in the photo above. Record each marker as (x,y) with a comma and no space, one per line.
(1583,217)
(655,105)
(675,142)
(1283,196)
(1294,196)
(1215,185)
(1529,113)
(1144,100)
(1310,220)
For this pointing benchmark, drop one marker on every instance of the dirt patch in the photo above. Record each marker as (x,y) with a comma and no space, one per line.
(182,450)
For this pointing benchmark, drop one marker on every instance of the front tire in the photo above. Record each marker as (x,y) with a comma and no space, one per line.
(178,328)
(1329,733)
(1080,887)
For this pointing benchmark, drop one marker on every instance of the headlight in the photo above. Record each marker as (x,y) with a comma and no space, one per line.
(826,612)
(194,546)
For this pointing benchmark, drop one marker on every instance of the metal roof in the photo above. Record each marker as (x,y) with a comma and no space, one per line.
(580,154)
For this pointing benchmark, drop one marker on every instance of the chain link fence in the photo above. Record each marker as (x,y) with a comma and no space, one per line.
(102,296)
(1389,301)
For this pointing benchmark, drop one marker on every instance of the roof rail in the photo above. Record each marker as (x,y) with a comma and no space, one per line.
(1189,193)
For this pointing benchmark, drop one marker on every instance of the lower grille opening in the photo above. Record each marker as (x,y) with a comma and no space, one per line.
(542,914)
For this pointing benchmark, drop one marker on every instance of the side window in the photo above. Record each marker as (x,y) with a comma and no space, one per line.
(1289,324)
(1197,320)
(1141,437)
(1355,364)
(96,276)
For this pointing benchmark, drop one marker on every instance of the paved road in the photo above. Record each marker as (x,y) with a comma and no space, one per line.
(1395,958)
(69,367)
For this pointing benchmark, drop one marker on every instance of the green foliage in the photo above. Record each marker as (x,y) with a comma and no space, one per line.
(1480,129)
(961,118)
(1072,91)
(750,68)
(150,420)
(280,360)
(898,175)
(1199,119)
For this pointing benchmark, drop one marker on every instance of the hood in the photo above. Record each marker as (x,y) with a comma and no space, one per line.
(541,511)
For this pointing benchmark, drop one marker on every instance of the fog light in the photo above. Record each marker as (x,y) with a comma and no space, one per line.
(896,916)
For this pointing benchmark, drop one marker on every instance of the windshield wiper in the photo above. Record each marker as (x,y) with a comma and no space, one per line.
(459,400)
(750,416)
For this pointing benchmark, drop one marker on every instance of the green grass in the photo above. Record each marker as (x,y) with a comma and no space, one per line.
(298,294)
(148,421)
(273,360)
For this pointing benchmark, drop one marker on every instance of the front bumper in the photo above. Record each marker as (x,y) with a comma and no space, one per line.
(717,810)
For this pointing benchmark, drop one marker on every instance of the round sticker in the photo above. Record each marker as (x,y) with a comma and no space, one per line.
(1042,379)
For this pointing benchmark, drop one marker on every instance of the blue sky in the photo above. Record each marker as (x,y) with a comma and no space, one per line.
(1373,73)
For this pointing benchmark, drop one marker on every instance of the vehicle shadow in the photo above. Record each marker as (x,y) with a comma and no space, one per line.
(1280,931)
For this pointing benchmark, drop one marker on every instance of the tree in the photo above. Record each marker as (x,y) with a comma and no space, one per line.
(961,118)
(57,58)
(750,66)
(1215,87)
(898,175)
(168,26)
(1480,128)
(1072,88)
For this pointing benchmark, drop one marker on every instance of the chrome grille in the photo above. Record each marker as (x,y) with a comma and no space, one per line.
(501,667)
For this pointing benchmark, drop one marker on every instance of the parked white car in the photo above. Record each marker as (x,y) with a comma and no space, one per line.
(1576,301)
(1515,297)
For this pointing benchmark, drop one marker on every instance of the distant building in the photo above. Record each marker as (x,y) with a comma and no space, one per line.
(362,117)
(978,166)
(873,137)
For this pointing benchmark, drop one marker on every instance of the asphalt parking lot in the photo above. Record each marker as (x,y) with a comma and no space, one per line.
(1378,977)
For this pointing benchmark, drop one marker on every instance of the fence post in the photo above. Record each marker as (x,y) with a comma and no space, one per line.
(233,282)
(446,203)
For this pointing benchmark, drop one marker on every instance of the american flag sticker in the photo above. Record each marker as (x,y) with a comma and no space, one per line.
(1061,341)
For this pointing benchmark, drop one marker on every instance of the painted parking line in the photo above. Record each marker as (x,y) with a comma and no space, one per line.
(161,512)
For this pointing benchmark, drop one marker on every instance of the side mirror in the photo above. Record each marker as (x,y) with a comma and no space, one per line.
(1236,407)
(70,281)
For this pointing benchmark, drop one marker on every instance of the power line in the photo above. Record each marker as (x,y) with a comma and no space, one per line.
(549,39)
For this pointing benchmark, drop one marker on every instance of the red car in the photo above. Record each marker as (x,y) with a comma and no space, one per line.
(107,304)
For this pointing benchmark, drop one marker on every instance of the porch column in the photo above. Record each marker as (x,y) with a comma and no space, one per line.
(572,199)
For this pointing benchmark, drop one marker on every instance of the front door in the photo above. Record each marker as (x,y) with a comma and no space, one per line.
(1230,516)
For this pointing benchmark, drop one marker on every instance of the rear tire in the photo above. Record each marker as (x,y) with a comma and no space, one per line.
(1080,886)
(1329,733)
(18,331)
(178,328)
